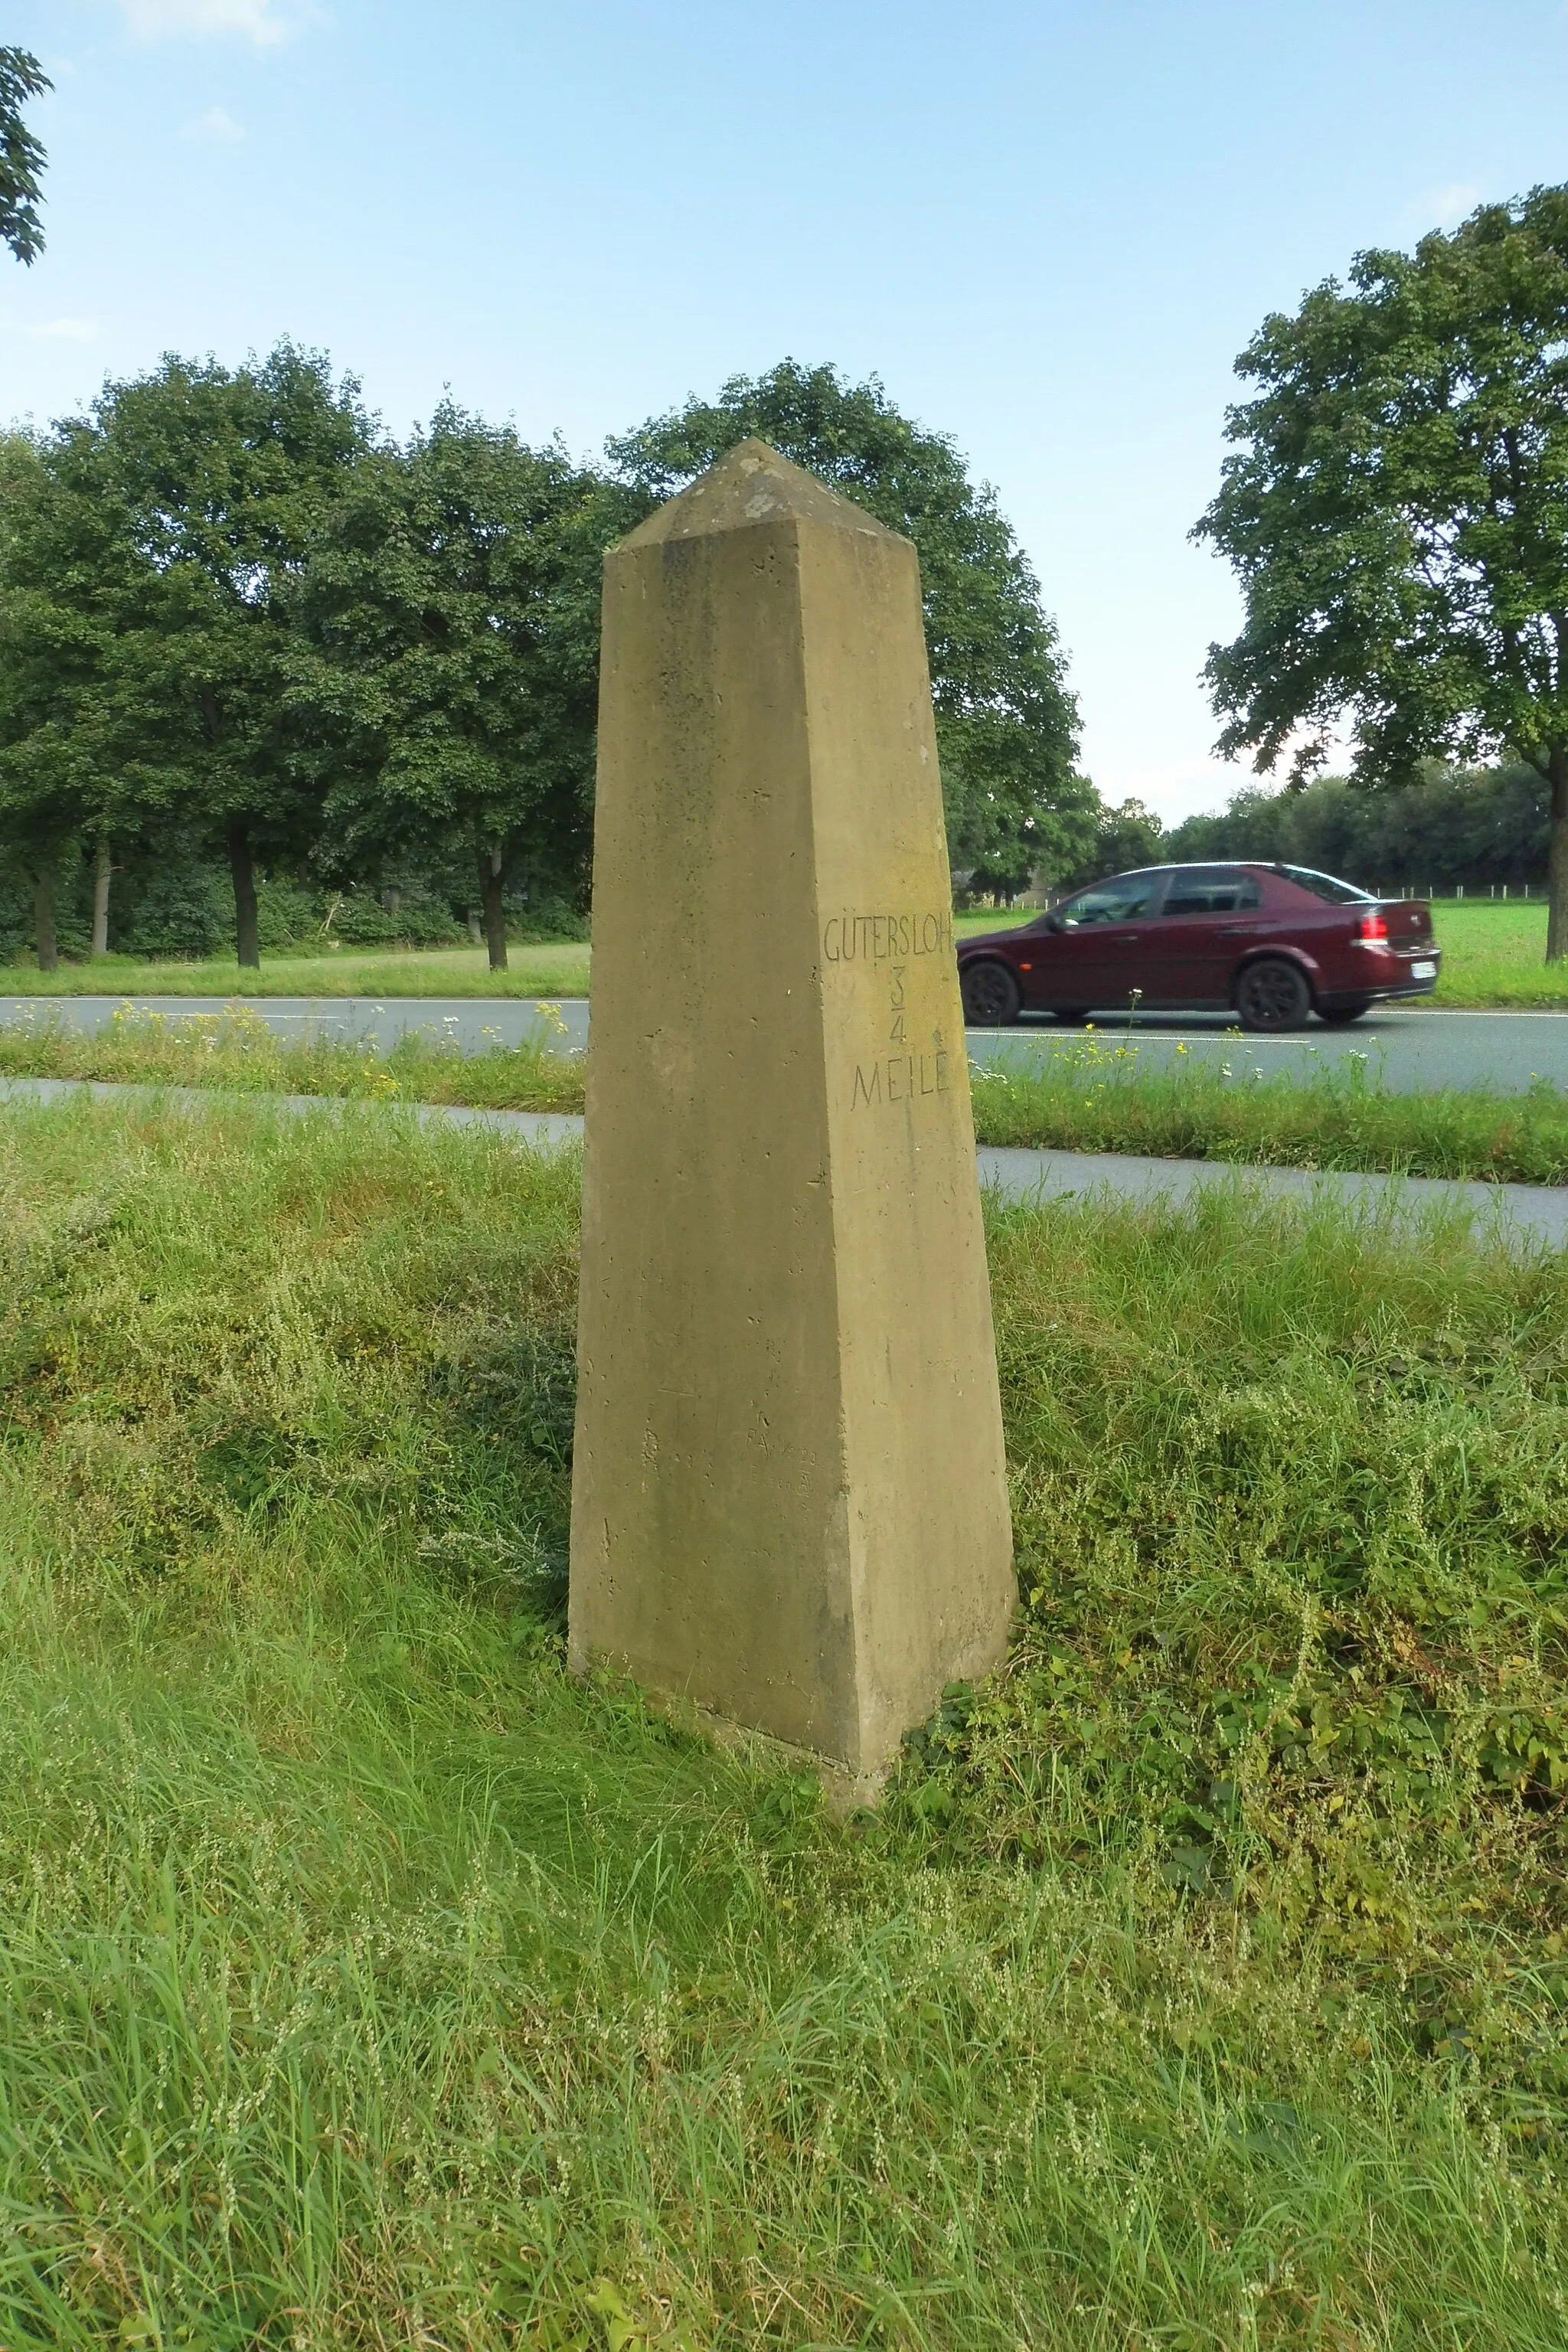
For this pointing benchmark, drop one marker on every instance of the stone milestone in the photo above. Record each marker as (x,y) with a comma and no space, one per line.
(789,1502)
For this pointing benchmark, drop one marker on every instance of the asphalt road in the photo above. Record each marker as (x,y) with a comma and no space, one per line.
(1407,1050)
(1520,1216)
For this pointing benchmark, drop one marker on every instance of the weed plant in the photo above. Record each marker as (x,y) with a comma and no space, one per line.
(236,1050)
(1099,1094)
(365,1981)
(1096,1095)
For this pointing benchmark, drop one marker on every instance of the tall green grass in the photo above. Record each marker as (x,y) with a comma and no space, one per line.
(548,968)
(234,1050)
(1096,1094)
(364,1981)
(1087,1095)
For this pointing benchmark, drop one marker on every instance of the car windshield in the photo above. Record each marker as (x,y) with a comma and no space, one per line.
(1118,901)
(1323,885)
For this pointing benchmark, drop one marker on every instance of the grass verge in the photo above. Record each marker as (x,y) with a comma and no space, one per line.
(1095,1095)
(550,969)
(1088,1095)
(364,1981)
(238,1052)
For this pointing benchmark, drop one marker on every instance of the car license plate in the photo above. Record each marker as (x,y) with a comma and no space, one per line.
(1423,972)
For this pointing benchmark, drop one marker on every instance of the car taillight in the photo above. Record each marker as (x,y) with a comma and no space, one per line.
(1372,927)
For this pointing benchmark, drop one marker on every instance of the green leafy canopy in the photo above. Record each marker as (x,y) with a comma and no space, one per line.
(1006,723)
(1397,511)
(21,156)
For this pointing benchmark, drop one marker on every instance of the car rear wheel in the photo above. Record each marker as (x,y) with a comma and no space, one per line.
(991,998)
(1337,1015)
(1272,994)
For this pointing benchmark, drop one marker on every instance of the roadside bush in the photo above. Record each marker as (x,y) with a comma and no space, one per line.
(546,918)
(359,918)
(15,917)
(172,911)
(285,915)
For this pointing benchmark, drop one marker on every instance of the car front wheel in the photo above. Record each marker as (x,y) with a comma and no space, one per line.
(1272,994)
(991,998)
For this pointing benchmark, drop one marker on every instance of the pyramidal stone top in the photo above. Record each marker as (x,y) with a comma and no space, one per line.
(752,485)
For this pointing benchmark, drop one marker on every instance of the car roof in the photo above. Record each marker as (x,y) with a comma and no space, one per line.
(1192,865)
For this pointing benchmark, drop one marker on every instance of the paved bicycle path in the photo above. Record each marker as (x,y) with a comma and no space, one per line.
(1408,1051)
(1518,1214)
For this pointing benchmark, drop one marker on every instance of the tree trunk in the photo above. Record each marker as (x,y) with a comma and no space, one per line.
(476,926)
(242,865)
(490,899)
(102,870)
(1557,858)
(44,916)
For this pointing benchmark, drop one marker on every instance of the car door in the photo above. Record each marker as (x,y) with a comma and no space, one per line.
(1087,954)
(1190,952)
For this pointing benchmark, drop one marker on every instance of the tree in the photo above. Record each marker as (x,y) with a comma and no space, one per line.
(21,156)
(44,778)
(1398,512)
(1447,827)
(1006,723)
(453,605)
(1126,837)
(154,604)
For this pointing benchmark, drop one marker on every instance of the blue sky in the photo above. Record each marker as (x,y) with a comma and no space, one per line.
(1047,228)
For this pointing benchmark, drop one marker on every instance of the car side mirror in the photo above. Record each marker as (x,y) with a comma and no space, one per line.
(1055,922)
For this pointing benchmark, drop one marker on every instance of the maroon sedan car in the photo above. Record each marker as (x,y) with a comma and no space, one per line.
(1270,943)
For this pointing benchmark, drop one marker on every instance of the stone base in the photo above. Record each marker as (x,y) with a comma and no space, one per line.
(844,1792)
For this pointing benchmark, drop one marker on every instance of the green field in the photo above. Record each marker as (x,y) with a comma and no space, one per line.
(554,969)
(1492,955)
(367,1982)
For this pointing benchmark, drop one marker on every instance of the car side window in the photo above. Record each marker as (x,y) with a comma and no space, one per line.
(1222,892)
(1121,901)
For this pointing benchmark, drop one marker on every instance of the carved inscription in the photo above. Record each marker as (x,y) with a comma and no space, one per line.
(900,1078)
(879,939)
(890,944)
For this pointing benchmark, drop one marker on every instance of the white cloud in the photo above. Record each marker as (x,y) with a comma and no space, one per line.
(216,124)
(1447,207)
(257,20)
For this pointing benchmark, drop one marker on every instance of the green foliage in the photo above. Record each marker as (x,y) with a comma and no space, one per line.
(1006,723)
(231,617)
(21,156)
(454,605)
(368,1978)
(1449,827)
(1398,513)
(150,559)
(1126,837)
